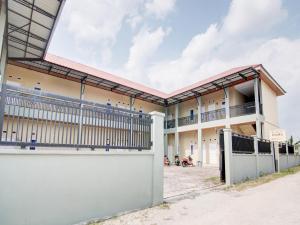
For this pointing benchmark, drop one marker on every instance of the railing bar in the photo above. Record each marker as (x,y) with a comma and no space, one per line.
(71,125)
(74,128)
(8,119)
(59,124)
(37,123)
(13,120)
(97,127)
(63,124)
(23,120)
(28,118)
(42,123)
(46,123)
(67,109)
(32,123)
(18,122)
(55,121)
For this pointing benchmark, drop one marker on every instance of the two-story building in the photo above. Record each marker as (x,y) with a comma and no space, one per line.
(242,98)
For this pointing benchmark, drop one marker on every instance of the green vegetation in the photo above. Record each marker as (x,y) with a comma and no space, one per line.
(262,180)
(164,205)
(214,180)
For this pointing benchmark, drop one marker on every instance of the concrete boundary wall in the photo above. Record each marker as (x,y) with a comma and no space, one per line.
(241,167)
(64,187)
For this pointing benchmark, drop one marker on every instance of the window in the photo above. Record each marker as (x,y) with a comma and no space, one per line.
(191,114)
(192,149)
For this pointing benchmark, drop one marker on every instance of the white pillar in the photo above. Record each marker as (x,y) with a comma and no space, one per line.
(3,46)
(256,154)
(199,136)
(287,153)
(157,132)
(176,129)
(166,135)
(228,156)
(227,108)
(277,155)
(257,105)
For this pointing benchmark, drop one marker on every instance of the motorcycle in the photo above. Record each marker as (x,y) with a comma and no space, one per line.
(177,160)
(188,161)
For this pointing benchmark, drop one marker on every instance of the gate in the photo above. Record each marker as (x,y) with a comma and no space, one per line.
(222,156)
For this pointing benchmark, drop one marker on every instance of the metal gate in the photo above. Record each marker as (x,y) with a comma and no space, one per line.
(222,156)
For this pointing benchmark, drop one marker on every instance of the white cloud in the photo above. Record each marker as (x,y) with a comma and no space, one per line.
(229,44)
(94,25)
(160,8)
(253,16)
(144,45)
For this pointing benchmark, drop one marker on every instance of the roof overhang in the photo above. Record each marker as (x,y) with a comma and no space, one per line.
(268,79)
(92,77)
(223,80)
(30,25)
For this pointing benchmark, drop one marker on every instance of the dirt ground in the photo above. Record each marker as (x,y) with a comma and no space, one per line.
(274,203)
(182,181)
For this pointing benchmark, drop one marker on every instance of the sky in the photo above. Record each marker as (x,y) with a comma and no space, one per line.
(168,44)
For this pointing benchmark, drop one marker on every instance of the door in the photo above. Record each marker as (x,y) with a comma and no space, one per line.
(171,153)
(204,153)
(213,154)
(211,107)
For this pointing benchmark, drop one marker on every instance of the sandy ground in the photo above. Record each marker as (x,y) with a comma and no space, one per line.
(277,202)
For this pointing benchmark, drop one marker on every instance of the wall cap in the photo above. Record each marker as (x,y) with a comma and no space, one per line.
(155,113)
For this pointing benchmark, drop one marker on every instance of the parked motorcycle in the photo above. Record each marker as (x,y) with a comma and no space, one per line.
(177,160)
(187,161)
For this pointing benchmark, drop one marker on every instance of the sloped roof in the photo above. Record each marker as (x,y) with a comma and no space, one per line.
(67,69)
(30,25)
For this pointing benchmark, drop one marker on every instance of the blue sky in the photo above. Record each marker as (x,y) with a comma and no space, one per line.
(167,44)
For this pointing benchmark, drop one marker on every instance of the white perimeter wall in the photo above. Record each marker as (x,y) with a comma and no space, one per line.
(250,166)
(287,161)
(66,187)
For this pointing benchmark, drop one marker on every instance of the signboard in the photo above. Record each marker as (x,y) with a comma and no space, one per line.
(278,135)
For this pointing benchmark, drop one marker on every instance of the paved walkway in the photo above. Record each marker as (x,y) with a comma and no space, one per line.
(183,180)
(274,203)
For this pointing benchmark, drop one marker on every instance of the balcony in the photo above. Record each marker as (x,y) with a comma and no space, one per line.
(169,124)
(213,115)
(33,118)
(188,120)
(242,110)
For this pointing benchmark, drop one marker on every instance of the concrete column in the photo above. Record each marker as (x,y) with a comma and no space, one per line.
(257,105)
(227,108)
(166,135)
(199,136)
(273,156)
(157,132)
(176,143)
(287,153)
(81,97)
(166,144)
(131,99)
(176,129)
(228,156)
(256,154)
(277,155)
(3,46)
(2,23)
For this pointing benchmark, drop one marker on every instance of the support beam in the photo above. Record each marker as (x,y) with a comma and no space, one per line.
(199,134)
(257,106)
(81,97)
(176,129)
(131,104)
(227,107)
